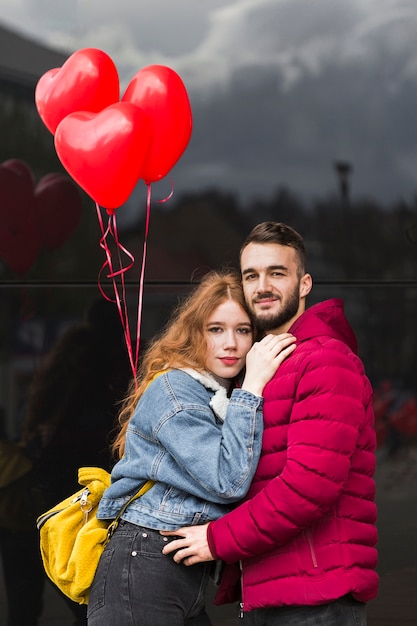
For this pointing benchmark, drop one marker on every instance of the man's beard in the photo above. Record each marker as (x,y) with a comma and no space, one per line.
(273,321)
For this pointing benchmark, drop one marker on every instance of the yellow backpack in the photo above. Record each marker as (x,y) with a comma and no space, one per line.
(72,539)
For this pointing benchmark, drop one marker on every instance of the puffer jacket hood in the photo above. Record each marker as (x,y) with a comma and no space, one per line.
(325,319)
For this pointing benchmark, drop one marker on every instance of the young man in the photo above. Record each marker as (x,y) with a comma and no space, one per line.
(305,536)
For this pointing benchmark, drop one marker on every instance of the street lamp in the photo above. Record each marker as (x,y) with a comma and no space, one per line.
(344,170)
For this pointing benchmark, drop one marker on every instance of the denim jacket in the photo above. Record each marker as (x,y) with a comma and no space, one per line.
(200,464)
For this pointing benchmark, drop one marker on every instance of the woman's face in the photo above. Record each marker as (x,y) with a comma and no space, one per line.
(229,338)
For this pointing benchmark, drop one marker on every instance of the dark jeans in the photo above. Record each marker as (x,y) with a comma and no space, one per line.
(136,585)
(343,612)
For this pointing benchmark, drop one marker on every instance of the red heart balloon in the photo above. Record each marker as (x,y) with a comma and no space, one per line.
(58,209)
(87,81)
(160,92)
(104,152)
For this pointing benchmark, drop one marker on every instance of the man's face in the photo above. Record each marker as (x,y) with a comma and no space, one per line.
(273,289)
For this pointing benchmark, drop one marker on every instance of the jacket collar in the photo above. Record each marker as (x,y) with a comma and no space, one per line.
(219,401)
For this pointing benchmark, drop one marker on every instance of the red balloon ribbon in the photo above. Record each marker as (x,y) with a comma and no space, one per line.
(120,298)
(142,273)
(120,294)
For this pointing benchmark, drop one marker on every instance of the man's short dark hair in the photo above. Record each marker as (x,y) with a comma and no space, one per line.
(277,232)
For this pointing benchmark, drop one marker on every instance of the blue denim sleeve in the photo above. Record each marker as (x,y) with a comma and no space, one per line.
(216,462)
(176,432)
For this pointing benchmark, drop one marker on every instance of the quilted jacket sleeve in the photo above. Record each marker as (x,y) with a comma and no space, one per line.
(321,430)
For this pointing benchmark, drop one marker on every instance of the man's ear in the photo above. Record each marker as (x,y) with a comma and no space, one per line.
(306,284)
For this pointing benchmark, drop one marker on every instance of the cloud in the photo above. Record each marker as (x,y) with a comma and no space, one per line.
(301,38)
(209,41)
(338,83)
(279,88)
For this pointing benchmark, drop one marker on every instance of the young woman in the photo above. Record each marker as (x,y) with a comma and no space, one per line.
(190,427)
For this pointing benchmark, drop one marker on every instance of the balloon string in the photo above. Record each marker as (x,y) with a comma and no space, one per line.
(142,272)
(112,274)
(169,196)
(120,248)
(120,301)
(121,273)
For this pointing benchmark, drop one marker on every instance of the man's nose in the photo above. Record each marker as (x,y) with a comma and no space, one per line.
(263,284)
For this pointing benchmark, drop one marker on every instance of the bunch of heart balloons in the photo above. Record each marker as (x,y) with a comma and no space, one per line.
(32,216)
(108,144)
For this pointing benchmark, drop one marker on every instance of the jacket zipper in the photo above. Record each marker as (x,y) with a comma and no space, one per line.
(313,558)
(310,544)
(241,604)
(82,498)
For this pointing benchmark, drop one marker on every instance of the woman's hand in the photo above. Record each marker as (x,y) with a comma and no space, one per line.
(192,548)
(263,360)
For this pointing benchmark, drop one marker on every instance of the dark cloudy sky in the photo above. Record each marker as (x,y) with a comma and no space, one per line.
(280,89)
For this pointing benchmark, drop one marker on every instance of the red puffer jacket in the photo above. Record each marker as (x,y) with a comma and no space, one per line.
(306,533)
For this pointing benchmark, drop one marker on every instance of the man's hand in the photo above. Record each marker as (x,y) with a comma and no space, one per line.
(193,548)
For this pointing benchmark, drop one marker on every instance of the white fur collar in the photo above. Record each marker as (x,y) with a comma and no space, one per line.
(219,401)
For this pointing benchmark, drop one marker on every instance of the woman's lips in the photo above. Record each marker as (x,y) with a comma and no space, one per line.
(229,360)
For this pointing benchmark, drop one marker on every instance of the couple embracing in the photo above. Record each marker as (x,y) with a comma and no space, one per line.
(253,415)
